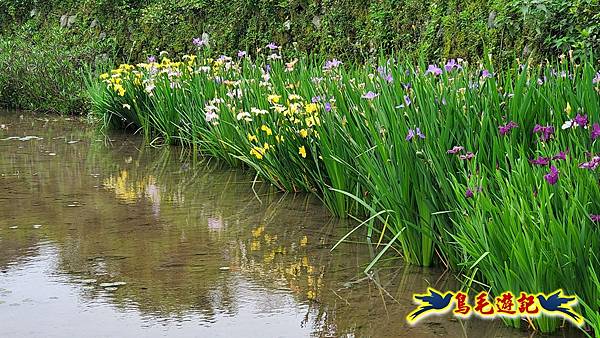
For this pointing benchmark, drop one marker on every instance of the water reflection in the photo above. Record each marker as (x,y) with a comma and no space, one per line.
(197,253)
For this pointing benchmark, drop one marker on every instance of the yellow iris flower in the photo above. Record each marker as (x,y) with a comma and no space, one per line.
(266,130)
(302,151)
(273,98)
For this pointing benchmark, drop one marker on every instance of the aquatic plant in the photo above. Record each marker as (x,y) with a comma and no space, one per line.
(492,173)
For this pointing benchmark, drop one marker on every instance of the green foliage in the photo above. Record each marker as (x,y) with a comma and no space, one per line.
(44,71)
(485,210)
(347,30)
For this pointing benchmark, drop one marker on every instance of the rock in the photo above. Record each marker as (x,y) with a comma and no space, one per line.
(64,19)
(71,20)
(316,20)
(492,19)
(526,51)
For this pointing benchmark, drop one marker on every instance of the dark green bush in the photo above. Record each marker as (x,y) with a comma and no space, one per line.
(77,31)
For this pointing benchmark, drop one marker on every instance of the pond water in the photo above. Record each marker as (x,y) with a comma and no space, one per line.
(106,236)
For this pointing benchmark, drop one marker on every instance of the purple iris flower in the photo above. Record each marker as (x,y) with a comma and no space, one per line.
(414,132)
(595,218)
(546,132)
(467,156)
(581,120)
(272,46)
(542,161)
(407,100)
(450,65)
(455,150)
(198,42)
(151,59)
(486,74)
(241,53)
(327,107)
(505,129)
(595,133)
(384,74)
(433,69)
(552,176)
(369,95)
(596,79)
(331,64)
(407,86)
(469,193)
(592,164)
(315,99)
(542,80)
(561,156)
(267,67)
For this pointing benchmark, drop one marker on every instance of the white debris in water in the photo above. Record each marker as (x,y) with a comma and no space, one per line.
(87,281)
(52,154)
(24,138)
(224,268)
(14,227)
(37,226)
(112,285)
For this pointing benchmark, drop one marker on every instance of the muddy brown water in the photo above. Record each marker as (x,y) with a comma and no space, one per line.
(104,236)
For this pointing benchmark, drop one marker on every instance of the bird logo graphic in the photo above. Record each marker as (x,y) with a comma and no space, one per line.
(505,304)
(432,302)
(558,304)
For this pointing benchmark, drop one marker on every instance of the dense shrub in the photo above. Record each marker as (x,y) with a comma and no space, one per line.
(76,30)
(43,68)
